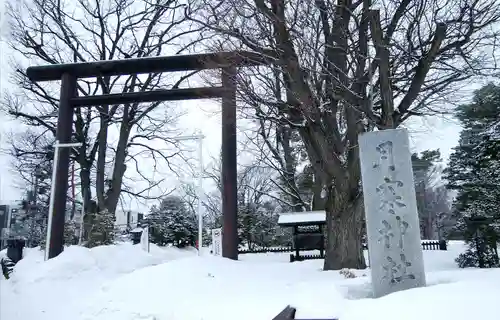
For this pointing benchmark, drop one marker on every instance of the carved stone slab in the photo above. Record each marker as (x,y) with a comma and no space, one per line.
(392,223)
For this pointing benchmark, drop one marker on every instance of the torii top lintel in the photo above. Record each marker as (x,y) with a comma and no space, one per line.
(174,63)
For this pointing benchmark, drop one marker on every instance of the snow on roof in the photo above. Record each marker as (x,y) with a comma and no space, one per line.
(302,217)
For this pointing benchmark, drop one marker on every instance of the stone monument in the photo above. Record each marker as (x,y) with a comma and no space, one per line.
(392,223)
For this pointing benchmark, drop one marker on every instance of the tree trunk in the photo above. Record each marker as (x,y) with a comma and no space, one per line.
(344,248)
(101,158)
(86,198)
(430,226)
(113,193)
(318,199)
(285,134)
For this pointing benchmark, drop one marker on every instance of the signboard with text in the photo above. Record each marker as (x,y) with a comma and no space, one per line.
(217,242)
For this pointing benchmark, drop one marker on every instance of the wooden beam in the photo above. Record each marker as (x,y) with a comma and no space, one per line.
(149,96)
(229,166)
(147,65)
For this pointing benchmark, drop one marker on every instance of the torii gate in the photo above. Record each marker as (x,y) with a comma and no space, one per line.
(70,73)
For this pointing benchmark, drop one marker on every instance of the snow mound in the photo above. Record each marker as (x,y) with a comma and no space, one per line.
(453,301)
(39,289)
(122,282)
(215,288)
(105,260)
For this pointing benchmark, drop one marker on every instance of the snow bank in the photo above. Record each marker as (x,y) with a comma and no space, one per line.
(124,283)
(107,261)
(462,300)
(39,289)
(216,288)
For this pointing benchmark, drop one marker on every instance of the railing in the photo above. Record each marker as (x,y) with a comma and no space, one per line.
(303,257)
(266,250)
(434,245)
(426,245)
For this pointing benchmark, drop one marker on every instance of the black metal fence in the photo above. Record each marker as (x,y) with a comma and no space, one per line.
(266,250)
(303,257)
(426,245)
(435,245)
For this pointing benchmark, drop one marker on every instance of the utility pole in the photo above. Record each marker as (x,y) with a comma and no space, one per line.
(53,249)
(33,205)
(199,189)
(82,221)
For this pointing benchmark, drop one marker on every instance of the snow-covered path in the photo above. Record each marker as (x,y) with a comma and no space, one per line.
(123,283)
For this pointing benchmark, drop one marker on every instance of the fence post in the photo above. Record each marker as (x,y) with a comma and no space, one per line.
(442,245)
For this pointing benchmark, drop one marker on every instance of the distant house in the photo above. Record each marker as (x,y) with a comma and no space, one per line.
(127,219)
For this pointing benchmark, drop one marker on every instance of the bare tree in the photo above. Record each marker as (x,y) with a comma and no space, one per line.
(114,137)
(256,184)
(31,154)
(277,146)
(258,206)
(348,66)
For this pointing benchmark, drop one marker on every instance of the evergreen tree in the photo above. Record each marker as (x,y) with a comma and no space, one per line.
(70,234)
(248,220)
(43,239)
(489,148)
(473,172)
(269,233)
(172,223)
(258,225)
(422,165)
(102,231)
(432,197)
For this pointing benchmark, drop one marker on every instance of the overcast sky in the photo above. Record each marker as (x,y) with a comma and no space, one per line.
(435,133)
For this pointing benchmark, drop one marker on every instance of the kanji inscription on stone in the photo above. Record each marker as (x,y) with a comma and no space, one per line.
(392,222)
(386,234)
(386,156)
(389,196)
(396,272)
(402,226)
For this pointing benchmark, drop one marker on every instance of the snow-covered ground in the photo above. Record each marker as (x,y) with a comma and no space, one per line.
(124,283)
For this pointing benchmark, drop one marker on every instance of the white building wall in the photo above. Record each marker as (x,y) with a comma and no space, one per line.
(121,219)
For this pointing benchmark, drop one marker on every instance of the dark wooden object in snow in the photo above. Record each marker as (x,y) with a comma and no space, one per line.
(289,313)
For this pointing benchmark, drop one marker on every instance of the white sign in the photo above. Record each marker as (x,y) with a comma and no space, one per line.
(145,239)
(217,242)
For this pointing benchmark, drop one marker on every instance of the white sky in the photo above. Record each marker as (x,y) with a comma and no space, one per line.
(436,133)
